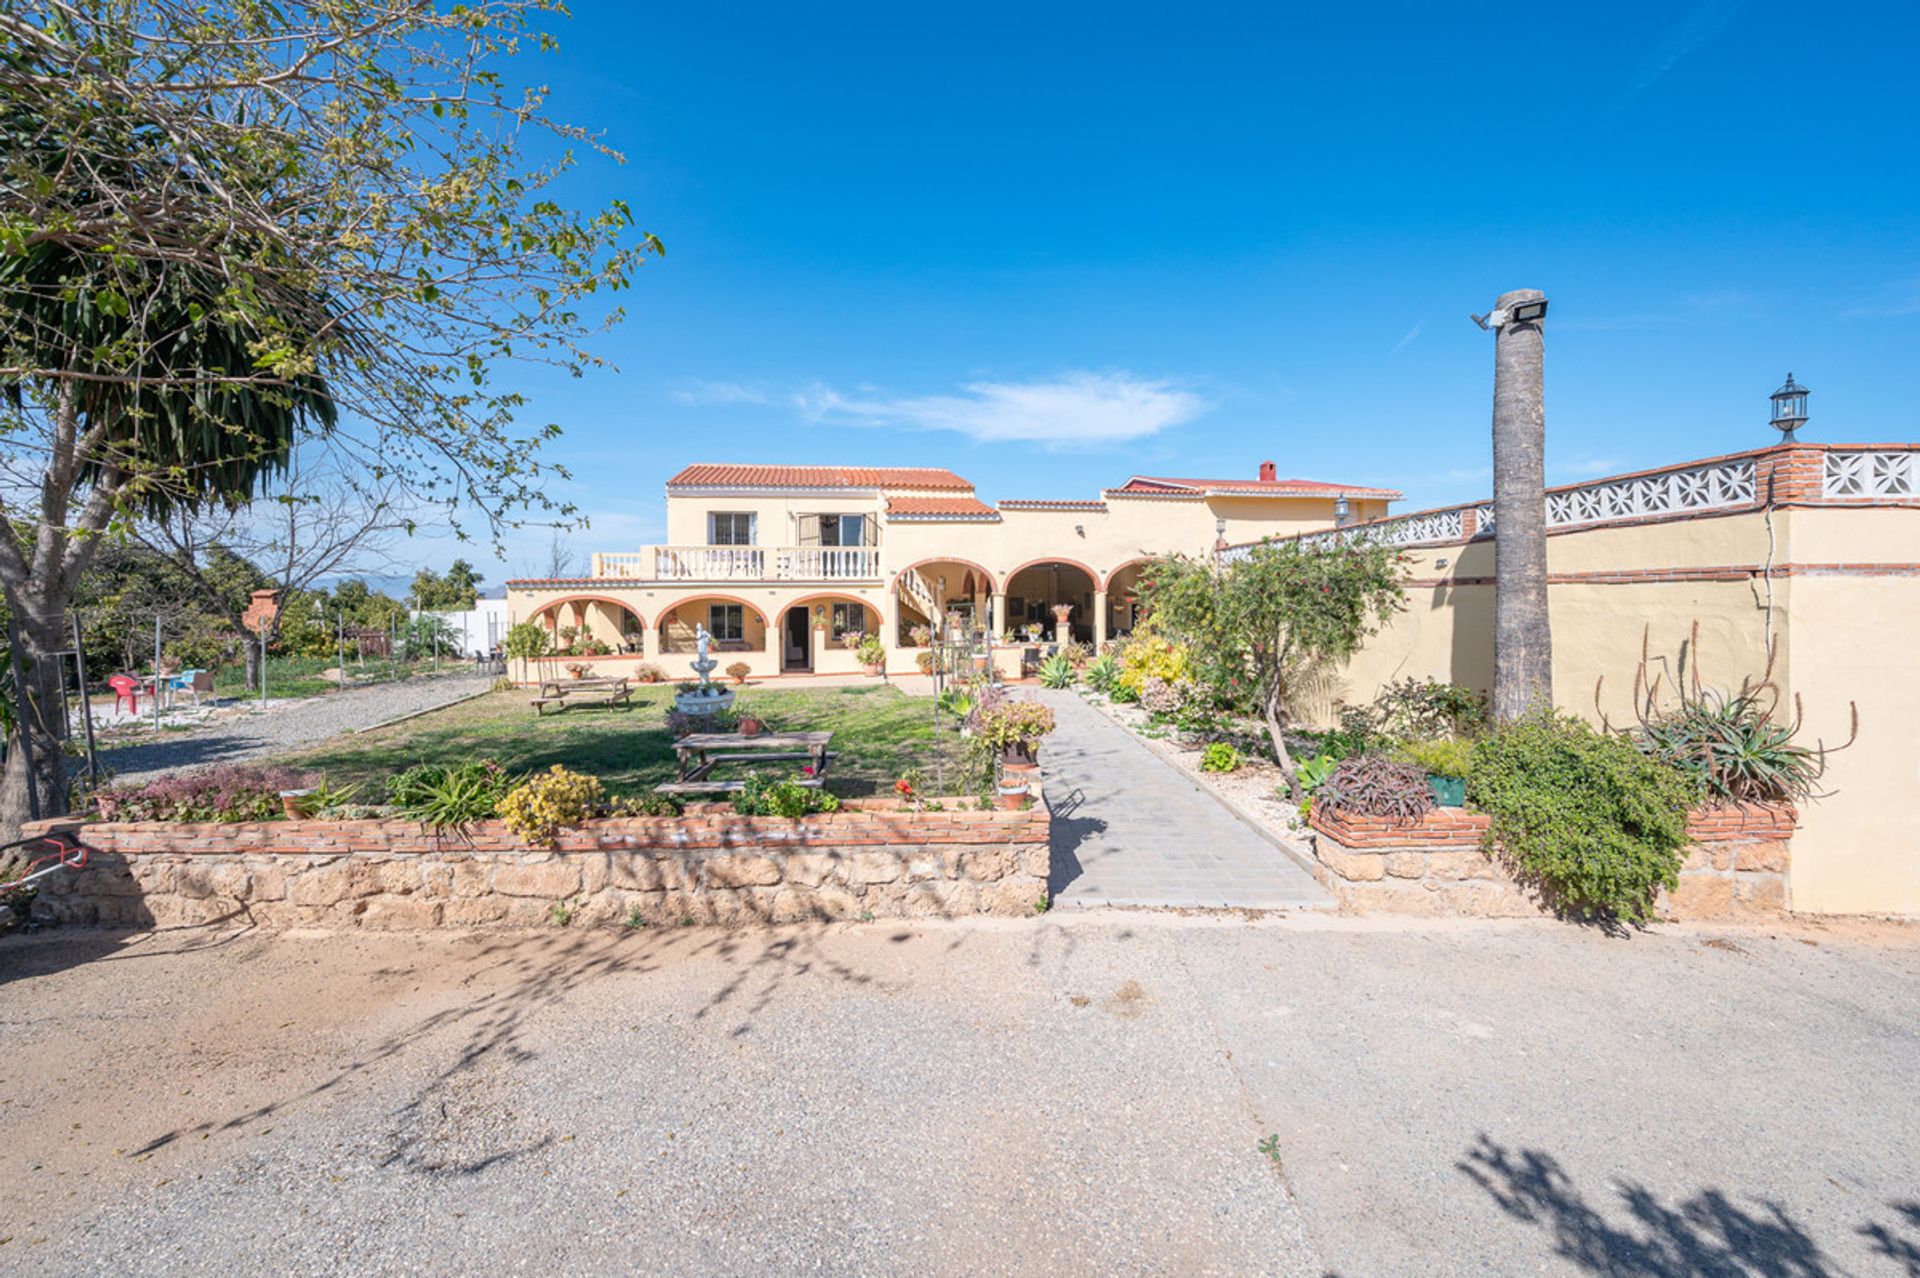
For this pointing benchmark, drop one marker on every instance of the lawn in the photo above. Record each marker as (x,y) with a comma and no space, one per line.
(878,733)
(301,676)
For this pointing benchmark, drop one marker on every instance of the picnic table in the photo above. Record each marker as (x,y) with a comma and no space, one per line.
(701,752)
(582,692)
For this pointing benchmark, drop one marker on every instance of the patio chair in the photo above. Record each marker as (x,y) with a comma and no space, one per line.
(192,682)
(126,689)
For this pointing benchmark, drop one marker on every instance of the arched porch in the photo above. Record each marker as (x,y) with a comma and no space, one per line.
(814,628)
(573,623)
(735,624)
(1124,609)
(1036,590)
(931,589)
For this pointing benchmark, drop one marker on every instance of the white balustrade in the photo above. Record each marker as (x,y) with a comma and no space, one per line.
(1871,474)
(1672,492)
(620,564)
(743,563)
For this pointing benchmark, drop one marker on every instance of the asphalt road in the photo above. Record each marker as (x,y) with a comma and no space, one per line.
(1081,1094)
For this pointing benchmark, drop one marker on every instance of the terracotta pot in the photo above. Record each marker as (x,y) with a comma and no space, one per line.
(295,803)
(1024,769)
(872,667)
(1012,800)
(1020,752)
(752,727)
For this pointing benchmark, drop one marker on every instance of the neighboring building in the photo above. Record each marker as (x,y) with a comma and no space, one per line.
(481,628)
(782,563)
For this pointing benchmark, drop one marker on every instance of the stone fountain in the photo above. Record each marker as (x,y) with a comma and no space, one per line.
(708,698)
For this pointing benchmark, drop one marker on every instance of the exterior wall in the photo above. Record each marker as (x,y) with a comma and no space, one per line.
(1736,866)
(1832,583)
(778,514)
(709,866)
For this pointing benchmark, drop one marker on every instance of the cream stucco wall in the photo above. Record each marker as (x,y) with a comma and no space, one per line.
(1840,624)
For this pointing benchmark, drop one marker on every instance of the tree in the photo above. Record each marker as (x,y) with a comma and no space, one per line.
(227,228)
(528,641)
(1522,635)
(1274,613)
(457,591)
(318,520)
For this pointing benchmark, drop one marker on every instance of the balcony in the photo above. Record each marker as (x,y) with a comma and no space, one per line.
(741,563)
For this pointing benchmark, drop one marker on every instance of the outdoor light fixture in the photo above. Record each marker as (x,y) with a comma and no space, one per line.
(1528,312)
(1342,511)
(1531,311)
(1789,408)
(1220,527)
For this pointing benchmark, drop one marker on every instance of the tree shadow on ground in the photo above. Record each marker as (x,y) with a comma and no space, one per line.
(1707,1233)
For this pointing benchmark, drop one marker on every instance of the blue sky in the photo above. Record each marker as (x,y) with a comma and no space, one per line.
(1054,245)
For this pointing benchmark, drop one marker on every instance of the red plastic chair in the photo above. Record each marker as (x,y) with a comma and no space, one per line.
(126,689)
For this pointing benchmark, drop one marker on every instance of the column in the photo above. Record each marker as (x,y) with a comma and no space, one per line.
(1099,619)
(999,615)
(890,620)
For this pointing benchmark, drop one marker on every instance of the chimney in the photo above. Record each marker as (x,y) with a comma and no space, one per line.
(1267,472)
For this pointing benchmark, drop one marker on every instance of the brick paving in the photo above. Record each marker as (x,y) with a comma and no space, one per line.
(1130,829)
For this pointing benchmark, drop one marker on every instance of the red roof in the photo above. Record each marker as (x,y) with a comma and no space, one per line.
(726,475)
(939,508)
(1151,484)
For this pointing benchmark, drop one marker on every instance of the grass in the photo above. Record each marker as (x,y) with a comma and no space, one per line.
(300,676)
(878,733)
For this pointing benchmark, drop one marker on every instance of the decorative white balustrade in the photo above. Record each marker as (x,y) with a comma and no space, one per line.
(742,563)
(1671,492)
(1871,474)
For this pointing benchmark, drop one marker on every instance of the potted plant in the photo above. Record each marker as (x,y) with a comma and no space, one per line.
(578,669)
(739,670)
(1446,762)
(1014,728)
(1013,793)
(853,639)
(297,803)
(919,636)
(872,654)
(748,721)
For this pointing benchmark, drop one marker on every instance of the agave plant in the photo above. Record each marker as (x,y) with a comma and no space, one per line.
(1057,671)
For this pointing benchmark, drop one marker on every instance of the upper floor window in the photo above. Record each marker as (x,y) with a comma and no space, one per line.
(730,528)
(843,530)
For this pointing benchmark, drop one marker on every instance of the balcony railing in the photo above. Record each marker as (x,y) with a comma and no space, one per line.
(742,563)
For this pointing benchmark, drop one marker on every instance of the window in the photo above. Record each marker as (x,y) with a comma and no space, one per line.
(843,530)
(848,616)
(730,528)
(726,621)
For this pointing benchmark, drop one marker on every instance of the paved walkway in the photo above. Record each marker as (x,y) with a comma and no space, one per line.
(1128,829)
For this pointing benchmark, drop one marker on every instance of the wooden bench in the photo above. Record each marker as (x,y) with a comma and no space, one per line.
(583,692)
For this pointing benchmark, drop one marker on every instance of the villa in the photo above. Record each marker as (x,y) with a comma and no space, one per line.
(781,564)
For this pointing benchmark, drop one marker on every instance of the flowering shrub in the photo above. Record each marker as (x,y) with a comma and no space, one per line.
(1163,696)
(1147,657)
(1015,725)
(230,793)
(545,803)
(739,671)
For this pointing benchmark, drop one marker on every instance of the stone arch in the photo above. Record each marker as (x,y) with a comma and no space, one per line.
(661,617)
(986,576)
(1099,581)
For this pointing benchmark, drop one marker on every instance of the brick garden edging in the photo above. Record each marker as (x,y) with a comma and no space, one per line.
(710,865)
(1736,865)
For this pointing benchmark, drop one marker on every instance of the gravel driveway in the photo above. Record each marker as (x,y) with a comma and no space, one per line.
(1082,1093)
(286,725)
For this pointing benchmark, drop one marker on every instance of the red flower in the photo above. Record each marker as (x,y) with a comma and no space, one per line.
(807,771)
(904,786)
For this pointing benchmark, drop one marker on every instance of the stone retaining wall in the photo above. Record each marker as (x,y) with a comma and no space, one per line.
(1736,865)
(708,866)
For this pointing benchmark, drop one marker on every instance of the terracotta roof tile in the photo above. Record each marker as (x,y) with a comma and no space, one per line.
(1152,484)
(939,508)
(712,475)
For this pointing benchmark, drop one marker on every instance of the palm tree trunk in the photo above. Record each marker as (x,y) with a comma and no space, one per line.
(1522,638)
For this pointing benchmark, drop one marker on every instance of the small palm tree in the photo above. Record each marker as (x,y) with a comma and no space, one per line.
(1522,638)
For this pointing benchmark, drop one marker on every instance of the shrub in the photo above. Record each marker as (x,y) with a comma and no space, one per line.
(1015,725)
(1316,770)
(1123,695)
(545,803)
(1057,671)
(1598,824)
(871,651)
(1161,696)
(1077,654)
(1145,657)
(739,671)
(1374,785)
(1427,708)
(1219,757)
(228,793)
(1447,757)
(1102,671)
(445,796)
(648,804)
(760,797)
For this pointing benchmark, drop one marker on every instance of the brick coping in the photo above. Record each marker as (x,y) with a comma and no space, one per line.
(1461,828)
(875,822)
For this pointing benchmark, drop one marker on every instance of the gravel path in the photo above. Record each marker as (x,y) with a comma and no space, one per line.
(286,725)
(1080,1093)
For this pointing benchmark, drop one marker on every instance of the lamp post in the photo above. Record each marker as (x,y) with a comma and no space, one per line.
(1789,409)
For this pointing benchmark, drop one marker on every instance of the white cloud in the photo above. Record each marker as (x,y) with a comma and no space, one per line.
(1407,341)
(702,394)
(1075,410)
